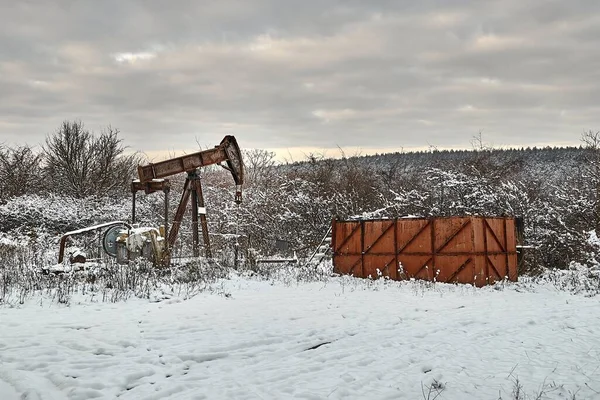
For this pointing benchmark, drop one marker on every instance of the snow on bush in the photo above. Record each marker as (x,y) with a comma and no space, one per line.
(578,278)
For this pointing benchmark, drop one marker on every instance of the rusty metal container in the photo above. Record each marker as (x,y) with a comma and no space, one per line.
(472,249)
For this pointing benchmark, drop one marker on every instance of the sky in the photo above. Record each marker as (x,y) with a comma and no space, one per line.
(301,77)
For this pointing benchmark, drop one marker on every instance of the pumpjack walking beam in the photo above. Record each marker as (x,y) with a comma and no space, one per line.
(228,151)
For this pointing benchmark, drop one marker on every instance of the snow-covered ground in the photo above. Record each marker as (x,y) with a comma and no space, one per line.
(345,338)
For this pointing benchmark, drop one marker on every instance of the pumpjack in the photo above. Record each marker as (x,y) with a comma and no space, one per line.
(127,241)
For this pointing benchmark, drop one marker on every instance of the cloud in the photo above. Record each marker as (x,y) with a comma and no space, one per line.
(132,58)
(311,74)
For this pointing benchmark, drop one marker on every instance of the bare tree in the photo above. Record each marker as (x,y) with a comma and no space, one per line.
(260,167)
(81,164)
(591,170)
(20,172)
(479,144)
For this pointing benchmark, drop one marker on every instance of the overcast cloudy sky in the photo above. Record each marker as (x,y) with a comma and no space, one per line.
(310,74)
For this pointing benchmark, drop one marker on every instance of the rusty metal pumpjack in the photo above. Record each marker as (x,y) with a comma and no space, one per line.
(151,180)
(227,151)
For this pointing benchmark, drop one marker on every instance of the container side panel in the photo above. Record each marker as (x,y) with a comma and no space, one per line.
(347,237)
(448,229)
(454,237)
(473,250)
(348,265)
(511,235)
(478,232)
(498,267)
(496,242)
(479,276)
(414,236)
(381,265)
(511,247)
(453,269)
(512,267)
(379,237)
(413,266)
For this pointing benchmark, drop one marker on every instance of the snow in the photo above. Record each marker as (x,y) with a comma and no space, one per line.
(345,338)
(593,239)
(95,227)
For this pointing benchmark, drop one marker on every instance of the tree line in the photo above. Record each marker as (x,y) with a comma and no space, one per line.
(555,190)
(73,161)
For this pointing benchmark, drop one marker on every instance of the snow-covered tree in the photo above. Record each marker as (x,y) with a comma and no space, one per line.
(80,164)
(20,172)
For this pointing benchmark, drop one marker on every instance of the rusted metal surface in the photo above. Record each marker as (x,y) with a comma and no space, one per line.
(228,151)
(181,164)
(520,228)
(192,187)
(199,210)
(151,186)
(475,250)
(179,214)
